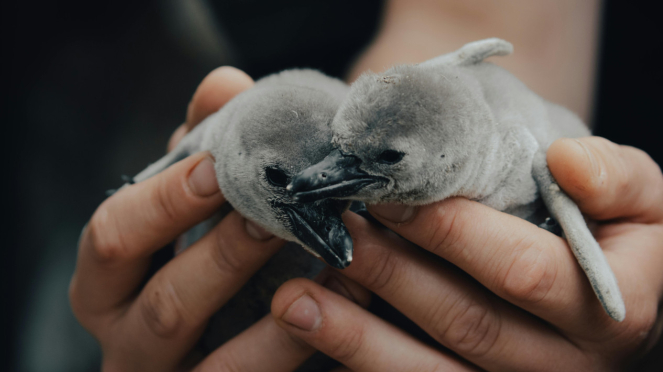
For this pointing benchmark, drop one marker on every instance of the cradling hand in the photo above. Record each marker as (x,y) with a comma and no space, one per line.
(153,324)
(497,292)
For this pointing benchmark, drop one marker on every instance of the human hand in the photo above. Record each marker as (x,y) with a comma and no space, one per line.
(156,326)
(496,290)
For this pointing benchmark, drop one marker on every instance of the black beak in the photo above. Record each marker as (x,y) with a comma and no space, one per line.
(320,228)
(336,176)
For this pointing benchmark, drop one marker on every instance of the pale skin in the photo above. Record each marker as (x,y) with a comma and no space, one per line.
(515,300)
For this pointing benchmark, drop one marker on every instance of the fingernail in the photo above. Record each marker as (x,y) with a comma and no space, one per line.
(177,136)
(303,314)
(596,167)
(202,180)
(335,285)
(257,232)
(394,212)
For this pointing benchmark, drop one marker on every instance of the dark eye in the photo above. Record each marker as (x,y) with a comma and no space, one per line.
(390,157)
(276,177)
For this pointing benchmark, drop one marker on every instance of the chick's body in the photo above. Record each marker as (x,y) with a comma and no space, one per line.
(456,126)
(260,139)
(467,131)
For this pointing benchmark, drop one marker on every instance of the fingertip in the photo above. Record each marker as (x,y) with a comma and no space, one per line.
(320,291)
(287,294)
(177,136)
(202,179)
(607,180)
(577,166)
(216,89)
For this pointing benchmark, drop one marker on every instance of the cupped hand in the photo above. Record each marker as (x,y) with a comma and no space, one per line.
(155,326)
(497,291)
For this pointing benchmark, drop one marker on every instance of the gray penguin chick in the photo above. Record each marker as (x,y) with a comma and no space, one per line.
(263,137)
(260,139)
(456,126)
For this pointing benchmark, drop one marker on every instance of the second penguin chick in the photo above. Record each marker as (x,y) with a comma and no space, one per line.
(456,126)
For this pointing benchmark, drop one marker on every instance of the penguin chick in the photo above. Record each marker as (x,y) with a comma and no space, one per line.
(456,126)
(263,137)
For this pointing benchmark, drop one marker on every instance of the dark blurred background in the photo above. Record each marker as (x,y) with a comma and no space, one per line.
(93,90)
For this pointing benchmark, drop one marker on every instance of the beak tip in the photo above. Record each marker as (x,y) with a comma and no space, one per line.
(341,264)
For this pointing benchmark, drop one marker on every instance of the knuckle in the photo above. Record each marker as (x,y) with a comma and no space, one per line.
(105,236)
(161,309)
(294,344)
(74,299)
(111,365)
(473,331)
(530,277)
(639,326)
(225,255)
(617,164)
(229,361)
(382,273)
(444,230)
(78,306)
(622,171)
(347,347)
(164,200)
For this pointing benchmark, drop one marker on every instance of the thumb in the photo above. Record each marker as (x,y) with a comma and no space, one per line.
(216,89)
(607,180)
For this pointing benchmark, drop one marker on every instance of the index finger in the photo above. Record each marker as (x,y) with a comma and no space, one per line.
(132,224)
(515,259)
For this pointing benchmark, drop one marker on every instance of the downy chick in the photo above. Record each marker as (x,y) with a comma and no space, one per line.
(262,138)
(456,126)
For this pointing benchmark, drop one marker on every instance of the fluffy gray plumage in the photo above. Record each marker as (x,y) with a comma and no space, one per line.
(457,126)
(261,138)
(280,123)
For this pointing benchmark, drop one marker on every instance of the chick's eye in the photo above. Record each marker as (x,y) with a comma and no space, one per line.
(276,177)
(390,157)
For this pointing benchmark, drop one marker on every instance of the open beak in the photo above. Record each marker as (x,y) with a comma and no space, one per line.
(320,228)
(336,176)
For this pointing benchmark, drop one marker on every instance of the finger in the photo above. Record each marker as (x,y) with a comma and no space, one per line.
(136,221)
(263,347)
(453,308)
(351,335)
(635,255)
(218,87)
(341,369)
(606,180)
(166,319)
(623,184)
(267,347)
(177,136)
(513,258)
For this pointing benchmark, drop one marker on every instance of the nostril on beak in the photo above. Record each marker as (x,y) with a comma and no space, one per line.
(323,175)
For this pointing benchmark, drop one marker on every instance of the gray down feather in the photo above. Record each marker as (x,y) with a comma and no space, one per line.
(457,126)
(282,122)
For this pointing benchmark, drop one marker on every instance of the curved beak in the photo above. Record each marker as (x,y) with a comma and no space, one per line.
(320,228)
(336,176)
